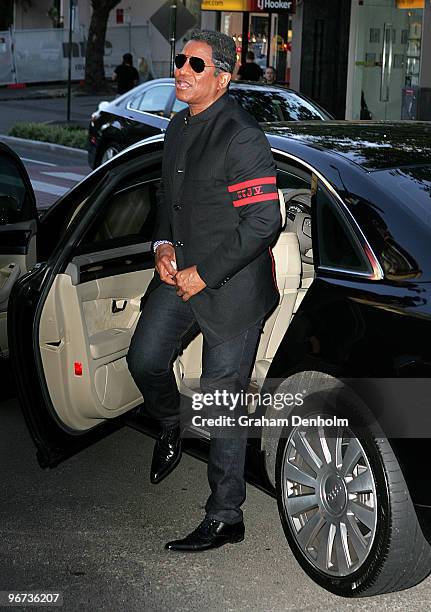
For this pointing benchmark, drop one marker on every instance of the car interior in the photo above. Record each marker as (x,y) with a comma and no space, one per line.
(92,308)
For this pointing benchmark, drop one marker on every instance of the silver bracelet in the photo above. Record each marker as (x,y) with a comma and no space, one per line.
(158,243)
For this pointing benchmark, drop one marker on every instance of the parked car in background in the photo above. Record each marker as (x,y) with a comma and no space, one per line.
(353,267)
(146,110)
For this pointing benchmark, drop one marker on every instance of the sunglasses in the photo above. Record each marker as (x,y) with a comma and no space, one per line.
(197,64)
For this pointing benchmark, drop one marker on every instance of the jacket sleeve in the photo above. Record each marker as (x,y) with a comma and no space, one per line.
(251,174)
(162,227)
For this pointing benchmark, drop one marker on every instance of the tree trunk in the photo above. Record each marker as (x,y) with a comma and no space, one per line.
(94,70)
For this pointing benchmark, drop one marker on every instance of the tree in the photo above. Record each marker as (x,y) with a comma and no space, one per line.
(94,70)
(6,11)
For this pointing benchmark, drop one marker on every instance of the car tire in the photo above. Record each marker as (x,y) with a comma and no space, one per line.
(108,152)
(351,558)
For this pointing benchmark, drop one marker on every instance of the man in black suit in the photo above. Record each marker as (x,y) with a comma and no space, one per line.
(217,217)
(250,71)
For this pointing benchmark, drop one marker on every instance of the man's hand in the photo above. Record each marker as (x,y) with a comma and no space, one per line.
(165,255)
(188,283)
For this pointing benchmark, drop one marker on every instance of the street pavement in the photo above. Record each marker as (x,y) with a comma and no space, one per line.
(48,109)
(94,528)
(52,172)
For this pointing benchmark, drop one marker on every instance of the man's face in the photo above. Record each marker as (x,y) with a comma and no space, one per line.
(200,89)
(269,75)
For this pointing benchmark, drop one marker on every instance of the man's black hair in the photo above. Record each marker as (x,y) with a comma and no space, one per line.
(249,55)
(128,58)
(223,48)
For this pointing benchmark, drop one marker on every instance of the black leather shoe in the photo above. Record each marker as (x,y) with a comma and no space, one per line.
(209,534)
(166,454)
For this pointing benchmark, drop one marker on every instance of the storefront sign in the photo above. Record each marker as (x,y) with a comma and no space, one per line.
(410,4)
(224,5)
(278,6)
(254,6)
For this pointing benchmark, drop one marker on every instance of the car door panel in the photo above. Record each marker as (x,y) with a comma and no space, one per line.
(147,113)
(97,302)
(99,265)
(143,125)
(84,343)
(72,318)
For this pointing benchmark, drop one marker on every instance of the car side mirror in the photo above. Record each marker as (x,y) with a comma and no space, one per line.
(9,206)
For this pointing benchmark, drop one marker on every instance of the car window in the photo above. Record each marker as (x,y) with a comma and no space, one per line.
(153,101)
(293,178)
(276,105)
(15,201)
(62,215)
(178,106)
(338,246)
(134,103)
(295,183)
(128,217)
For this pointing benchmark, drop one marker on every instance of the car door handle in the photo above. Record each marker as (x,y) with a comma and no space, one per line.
(118,306)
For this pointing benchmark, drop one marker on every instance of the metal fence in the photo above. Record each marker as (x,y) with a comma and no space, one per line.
(29,56)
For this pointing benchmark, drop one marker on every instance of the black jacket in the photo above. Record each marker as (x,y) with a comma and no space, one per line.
(218,204)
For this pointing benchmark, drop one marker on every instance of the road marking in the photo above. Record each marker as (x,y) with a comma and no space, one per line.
(69,176)
(49,188)
(36,161)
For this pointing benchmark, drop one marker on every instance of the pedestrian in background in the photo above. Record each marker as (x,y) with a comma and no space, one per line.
(126,75)
(270,75)
(250,71)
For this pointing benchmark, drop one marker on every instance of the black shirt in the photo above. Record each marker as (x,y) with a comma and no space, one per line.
(250,72)
(127,77)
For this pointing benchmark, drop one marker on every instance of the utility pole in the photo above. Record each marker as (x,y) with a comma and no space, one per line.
(69,67)
(173,33)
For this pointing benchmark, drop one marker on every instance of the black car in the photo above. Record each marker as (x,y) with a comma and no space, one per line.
(146,110)
(346,350)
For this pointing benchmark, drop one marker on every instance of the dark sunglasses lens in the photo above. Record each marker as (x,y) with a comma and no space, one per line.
(180,60)
(197,64)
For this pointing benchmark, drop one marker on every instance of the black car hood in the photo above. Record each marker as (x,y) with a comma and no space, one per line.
(372,145)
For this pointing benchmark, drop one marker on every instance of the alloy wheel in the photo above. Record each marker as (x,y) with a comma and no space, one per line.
(329,497)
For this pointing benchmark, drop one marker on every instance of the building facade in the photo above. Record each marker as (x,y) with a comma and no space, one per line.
(359,59)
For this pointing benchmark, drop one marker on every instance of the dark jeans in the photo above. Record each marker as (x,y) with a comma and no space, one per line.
(165,326)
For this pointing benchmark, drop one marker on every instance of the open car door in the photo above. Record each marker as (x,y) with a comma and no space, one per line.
(72,318)
(18,229)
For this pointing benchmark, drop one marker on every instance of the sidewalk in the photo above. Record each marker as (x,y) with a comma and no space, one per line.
(43,91)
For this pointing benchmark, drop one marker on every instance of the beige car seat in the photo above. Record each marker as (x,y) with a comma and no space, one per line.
(287,259)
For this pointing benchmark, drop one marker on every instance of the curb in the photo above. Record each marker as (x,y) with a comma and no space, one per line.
(36,96)
(41,143)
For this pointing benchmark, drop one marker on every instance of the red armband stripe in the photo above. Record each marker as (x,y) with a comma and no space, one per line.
(266,180)
(259,198)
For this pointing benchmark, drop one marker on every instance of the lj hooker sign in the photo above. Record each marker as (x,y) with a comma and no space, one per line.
(254,6)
